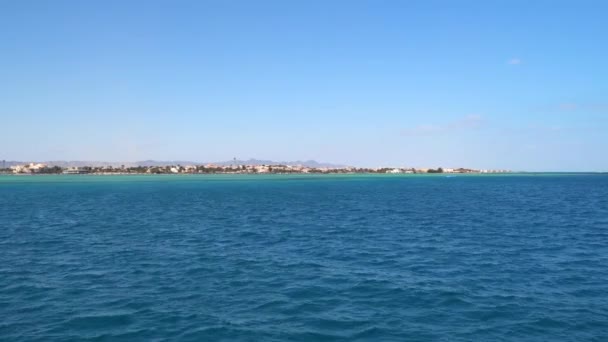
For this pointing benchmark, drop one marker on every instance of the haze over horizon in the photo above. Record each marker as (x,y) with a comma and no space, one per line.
(513,85)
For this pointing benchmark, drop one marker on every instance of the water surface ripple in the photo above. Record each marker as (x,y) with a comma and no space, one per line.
(304,258)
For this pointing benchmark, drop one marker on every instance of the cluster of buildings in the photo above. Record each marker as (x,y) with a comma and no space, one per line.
(39,168)
(443,170)
(209,168)
(29,168)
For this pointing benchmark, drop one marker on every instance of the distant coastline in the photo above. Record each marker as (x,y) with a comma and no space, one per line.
(43,168)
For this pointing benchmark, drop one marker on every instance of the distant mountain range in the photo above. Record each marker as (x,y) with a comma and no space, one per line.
(80,163)
(308,163)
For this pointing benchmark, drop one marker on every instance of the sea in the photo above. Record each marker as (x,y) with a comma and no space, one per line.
(515,257)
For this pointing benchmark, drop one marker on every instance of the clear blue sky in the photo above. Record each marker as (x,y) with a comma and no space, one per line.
(521,85)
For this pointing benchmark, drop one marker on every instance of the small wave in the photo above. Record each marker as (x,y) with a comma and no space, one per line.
(99,321)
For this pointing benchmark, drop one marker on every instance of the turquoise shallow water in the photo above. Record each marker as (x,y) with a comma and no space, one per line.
(304,258)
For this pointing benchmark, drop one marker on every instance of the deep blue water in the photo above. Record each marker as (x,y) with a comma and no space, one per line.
(306,258)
